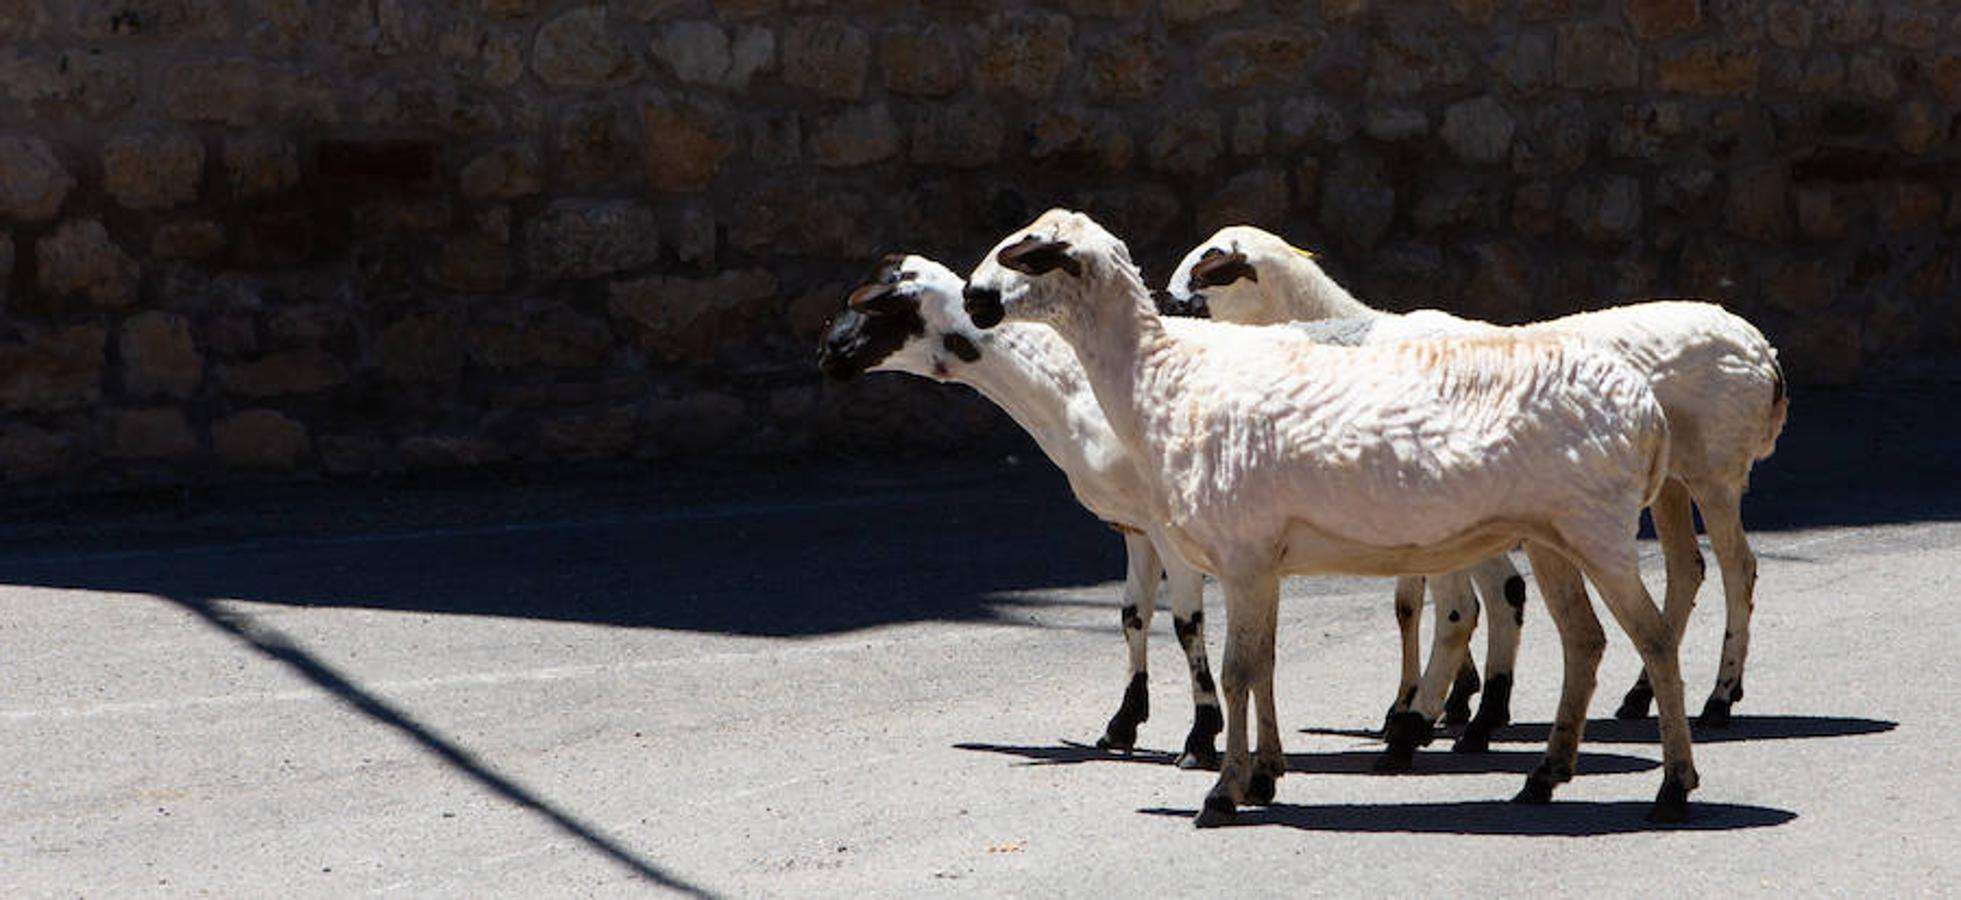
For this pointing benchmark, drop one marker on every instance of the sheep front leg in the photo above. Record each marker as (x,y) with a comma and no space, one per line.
(1722,514)
(1675,530)
(1496,577)
(1409,605)
(1457,617)
(1187,589)
(1252,606)
(1581,645)
(1139,603)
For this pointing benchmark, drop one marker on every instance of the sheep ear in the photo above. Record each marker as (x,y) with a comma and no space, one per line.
(1218,269)
(876,298)
(1034,255)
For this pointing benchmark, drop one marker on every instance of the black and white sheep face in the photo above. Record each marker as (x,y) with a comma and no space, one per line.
(1220,278)
(906,318)
(1044,272)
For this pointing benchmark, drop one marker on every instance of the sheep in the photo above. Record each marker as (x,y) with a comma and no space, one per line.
(908,318)
(1716,376)
(1274,455)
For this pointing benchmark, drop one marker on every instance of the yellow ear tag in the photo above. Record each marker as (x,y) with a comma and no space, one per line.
(1307,253)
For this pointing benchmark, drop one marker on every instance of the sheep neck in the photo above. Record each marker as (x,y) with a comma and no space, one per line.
(1031,374)
(1307,294)
(1124,348)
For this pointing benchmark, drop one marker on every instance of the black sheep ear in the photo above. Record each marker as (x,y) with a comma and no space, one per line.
(1034,255)
(877,299)
(1218,269)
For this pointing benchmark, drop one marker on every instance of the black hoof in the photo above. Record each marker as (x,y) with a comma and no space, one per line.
(1118,744)
(1218,811)
(1536,791)
(1635,704)
(1260,790)
(1395,761)
(1474,740)
(1715,714)
(1199,758)
(1405,732)
(1671,804)
(1457,710)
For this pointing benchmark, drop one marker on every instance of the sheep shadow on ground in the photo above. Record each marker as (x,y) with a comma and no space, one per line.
(1342,762)
(1560,818)
(1644,731)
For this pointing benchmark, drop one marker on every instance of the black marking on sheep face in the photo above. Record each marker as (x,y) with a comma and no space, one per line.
(1515,597)
(1037,255)
(1191,307)
(1218,268)
(961,347)
(877,322)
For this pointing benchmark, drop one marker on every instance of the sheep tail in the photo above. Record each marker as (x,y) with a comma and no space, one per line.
(1780,406)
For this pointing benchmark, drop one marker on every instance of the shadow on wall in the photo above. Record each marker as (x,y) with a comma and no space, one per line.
(820,552)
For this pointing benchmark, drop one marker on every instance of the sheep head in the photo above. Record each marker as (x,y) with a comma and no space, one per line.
(1051,271)
(1221,276)
(906,317)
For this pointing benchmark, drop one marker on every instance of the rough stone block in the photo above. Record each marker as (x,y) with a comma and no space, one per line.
(79,258)
(1124,64)
(689,319)
(1478,131)
(153,169)
(1358,201)
(286,372)
(591,239)
(157,433)
(1258,197)
(826,56)
(1595,57)
(1711,70)
(578,50)
(180,19)
(1231,60)
(503,173)
(33,183)
(963,136)
(1656,19)
(855,137)
(684,148)
(924,61)
(52,372)
(1024,52)
(261,165)
(259,439)
(160,358)
(1756,205)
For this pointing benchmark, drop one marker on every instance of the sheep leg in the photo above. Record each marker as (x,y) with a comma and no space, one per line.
(1496,577)
(1252,605)
(1457,616)
(1409,604)
(1187,589)
(1722,514)
(1139,603)
(1581,644)
(1675,529)
(1614,571)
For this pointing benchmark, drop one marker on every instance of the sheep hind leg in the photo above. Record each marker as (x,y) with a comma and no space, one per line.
(1140,602)
(1252,604)
(1496,577)
(1457,617)
(1675,530)
(1187,589)
(1581,645)
(1614,572)
(1409,606)
(1722,515)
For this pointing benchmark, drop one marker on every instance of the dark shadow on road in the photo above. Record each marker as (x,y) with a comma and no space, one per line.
(276,646)
(808,560)
(1616,731)
(1560,818)
(1346,762)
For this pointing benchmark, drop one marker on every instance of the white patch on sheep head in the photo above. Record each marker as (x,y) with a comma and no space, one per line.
(1051,271)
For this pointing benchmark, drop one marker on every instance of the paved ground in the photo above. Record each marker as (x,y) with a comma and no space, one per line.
(838,680)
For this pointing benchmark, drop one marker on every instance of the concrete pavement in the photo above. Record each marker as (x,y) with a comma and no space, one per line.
(881,681)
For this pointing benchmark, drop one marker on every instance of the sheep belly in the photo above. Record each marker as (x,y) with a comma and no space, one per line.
(1309,550)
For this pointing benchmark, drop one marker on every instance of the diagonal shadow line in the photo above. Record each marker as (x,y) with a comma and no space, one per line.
(276,646)
(1564,818)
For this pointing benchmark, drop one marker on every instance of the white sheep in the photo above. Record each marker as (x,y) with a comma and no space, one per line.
(1716,377)
(1272,454)
(908,318)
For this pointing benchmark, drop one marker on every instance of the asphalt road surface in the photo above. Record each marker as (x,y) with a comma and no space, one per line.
(847,680)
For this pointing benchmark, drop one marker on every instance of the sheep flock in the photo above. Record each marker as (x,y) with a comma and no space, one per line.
(1300,431)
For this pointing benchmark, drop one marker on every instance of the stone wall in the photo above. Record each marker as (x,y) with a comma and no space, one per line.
(367,236)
